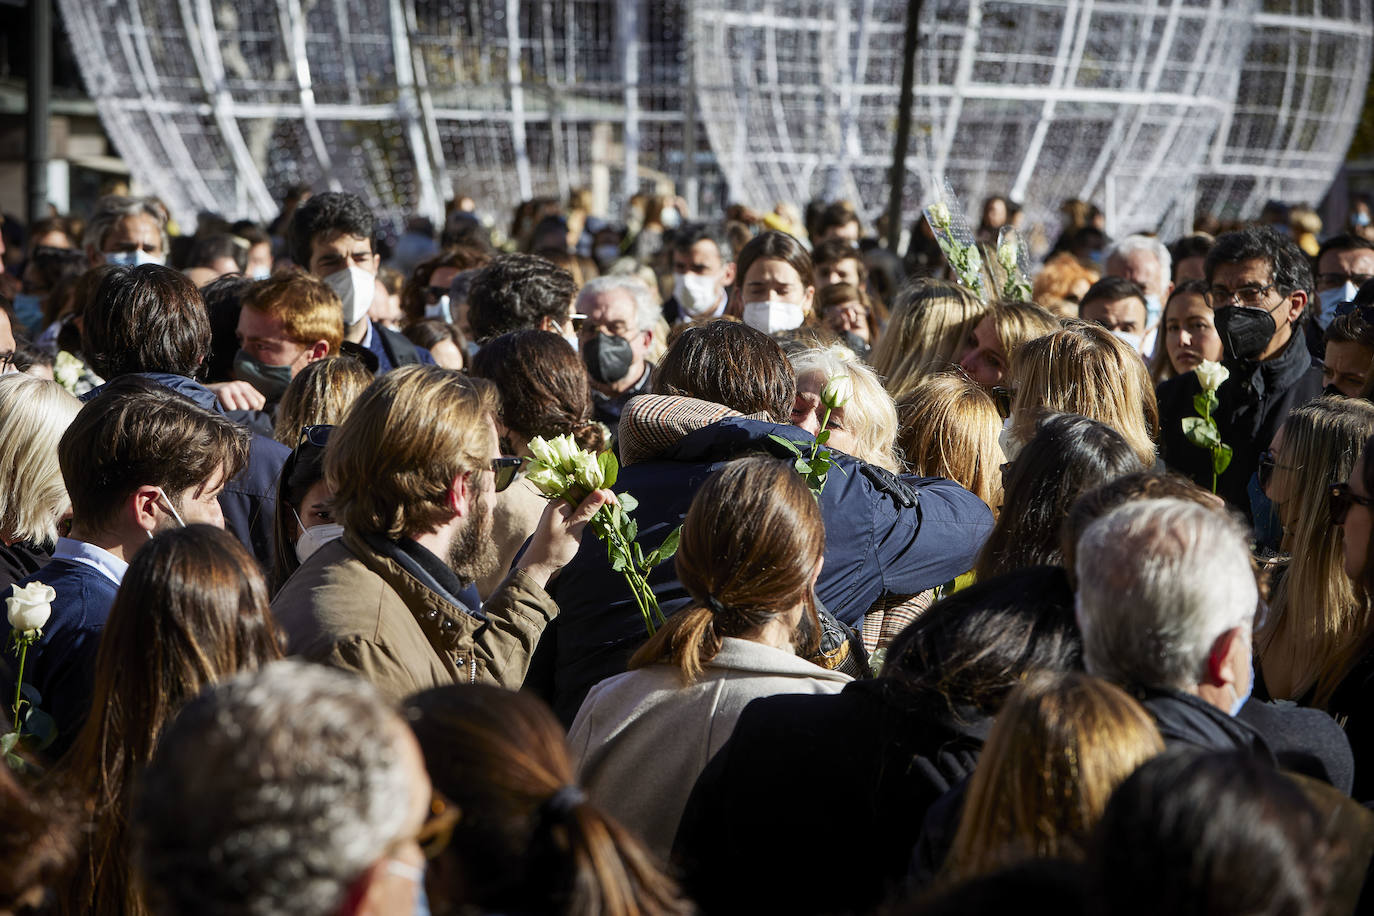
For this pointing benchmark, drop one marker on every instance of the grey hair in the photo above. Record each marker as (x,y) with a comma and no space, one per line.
(112,208)
(272,793)
(1133,243)
(871,414)
(646,312)
(1158,581)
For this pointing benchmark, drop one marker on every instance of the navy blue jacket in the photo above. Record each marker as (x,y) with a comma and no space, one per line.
(249,499)
(61,665)
(874,545)
(393,349)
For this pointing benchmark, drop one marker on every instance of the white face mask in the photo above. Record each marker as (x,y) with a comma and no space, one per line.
(1330,299)
(134,258)
(440,309)
(696,293)
(772,317)
(607,254)
(1131,340)
(355,288)
(312,539)
(573,342)
(262,273)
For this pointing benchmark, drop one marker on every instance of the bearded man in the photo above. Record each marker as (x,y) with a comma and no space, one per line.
(414,470)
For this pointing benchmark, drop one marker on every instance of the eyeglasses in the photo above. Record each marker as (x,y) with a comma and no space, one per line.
(1268,461)
(506,468)
(1002,398)
(1331,280)
(437,830)
(1341,497)
(1251,295)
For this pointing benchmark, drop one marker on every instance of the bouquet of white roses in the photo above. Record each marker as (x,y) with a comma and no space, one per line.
(562,470)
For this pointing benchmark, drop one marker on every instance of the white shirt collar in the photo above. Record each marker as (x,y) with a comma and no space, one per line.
(99,559)
(366,342)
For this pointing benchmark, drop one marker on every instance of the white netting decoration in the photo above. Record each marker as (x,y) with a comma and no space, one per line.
(1149,107)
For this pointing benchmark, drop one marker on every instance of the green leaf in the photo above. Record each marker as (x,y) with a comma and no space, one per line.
(639,554)
(619,563)
(823,437)
(610,468)
(1202,433)
(788,444)
(669,546)
(8,741)
(41,726)
(627,502)
(630,529)
(1221,458)
(802,466)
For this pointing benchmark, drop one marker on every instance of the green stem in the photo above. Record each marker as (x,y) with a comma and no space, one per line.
(19,679)
(825,421)
(1207,415)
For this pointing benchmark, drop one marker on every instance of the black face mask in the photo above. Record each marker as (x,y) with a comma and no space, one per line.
(1244,332)
(608,358)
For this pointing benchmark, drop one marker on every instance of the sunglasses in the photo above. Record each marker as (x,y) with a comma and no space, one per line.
(506,469)
(1341,498)
(1266,467)
(1002,398)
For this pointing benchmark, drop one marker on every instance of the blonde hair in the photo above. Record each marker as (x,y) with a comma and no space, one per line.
(949,427)
(393,460)
(1017,323)
(870,416)
(321,393)
(1083,369)
(930,322)
(1059,747)
(1316,606)
(34,414)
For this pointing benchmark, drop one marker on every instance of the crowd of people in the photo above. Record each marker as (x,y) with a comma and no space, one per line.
(964,597)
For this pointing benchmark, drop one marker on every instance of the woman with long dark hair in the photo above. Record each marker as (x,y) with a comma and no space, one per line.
(518,835)
(192,610)
(1067,455)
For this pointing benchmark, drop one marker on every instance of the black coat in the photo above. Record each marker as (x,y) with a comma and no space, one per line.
(1350,706)
(842,779)
(1253,403)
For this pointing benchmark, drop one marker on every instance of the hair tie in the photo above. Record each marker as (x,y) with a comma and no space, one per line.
(561,803)
(714,605)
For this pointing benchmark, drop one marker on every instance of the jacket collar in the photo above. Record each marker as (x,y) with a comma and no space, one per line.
(1281,371)
(1185,719)
(202,396)
(446,621)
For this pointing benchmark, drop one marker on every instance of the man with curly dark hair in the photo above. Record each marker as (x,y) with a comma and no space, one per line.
(521,292)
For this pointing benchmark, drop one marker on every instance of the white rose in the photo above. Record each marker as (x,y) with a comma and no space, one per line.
(565,451)
(1210,375)
(549,481)
(30,606)
(939,212)
(837,392)
(542,451)
(588,470)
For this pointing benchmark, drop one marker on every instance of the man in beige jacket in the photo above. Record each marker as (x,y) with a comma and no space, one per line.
(413,470)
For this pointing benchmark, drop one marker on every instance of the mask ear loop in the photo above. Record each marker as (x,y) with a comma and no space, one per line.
(170,508)
(299,524)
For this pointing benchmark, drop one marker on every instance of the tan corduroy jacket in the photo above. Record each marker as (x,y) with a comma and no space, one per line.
(352,608)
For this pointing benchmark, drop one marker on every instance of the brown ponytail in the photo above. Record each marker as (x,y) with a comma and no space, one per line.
(751,541)
(527,839)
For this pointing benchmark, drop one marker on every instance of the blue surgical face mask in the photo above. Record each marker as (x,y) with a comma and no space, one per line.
(1153,309)
(1249,689)
(28,309)
(133,258)
(1331,298)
